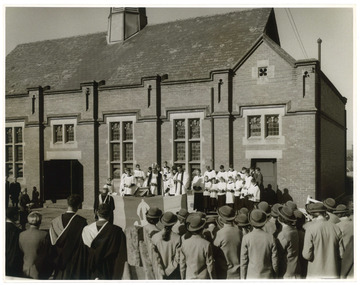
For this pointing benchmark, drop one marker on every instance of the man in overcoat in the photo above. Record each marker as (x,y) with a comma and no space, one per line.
(323,245)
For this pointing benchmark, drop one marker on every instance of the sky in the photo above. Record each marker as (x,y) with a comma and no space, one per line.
(333,25)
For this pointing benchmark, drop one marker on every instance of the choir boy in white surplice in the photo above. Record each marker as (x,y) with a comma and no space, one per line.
(181,180)
(165,169)
(239,183)
(139,176)
(127,184)
(222,173)
(230,189)
(232,172)
(210,173)
(206,193)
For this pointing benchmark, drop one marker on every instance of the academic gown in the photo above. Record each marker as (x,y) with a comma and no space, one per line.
(107,253)
(65,235)
(13,254)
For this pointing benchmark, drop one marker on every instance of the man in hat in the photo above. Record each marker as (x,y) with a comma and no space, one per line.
(330,205)
(32,243)
(288,249)
(323,245)
(65,236)
(300,221)
(179,227)
(146,248)
(196,255)
(106,248)
(13,254)
(259,257)
(242,222)
(346,225)
(228,242)
(181,180)
(166,249)
(269,227)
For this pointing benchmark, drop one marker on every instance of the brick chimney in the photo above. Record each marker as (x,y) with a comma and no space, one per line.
(124,23)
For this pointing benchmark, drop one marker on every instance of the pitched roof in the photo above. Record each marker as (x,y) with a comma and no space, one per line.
(185,49)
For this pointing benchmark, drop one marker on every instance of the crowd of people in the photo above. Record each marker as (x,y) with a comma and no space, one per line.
(257,241)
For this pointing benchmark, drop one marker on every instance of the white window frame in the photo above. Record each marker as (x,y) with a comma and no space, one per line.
(263,112)
(120,120)
(63,144)
(186,116)
(14,125)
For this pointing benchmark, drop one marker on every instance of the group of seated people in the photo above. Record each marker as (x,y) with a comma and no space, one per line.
(256,242)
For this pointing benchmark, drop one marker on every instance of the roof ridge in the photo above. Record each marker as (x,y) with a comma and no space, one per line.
(208,16)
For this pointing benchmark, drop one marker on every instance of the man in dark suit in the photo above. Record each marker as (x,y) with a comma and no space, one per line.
(15,189)
(13,254)
(65,236)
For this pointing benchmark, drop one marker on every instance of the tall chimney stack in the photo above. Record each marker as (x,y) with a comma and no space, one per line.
(319,41)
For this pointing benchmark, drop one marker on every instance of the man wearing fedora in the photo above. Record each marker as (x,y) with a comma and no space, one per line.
(180,228)
(146,247)
(196,255)
(166,248)
(259,257)
(330,205)
(323,245)
(346,225)
(228,241)
(288,249)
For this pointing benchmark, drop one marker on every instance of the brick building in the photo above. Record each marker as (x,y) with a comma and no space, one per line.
(204,91)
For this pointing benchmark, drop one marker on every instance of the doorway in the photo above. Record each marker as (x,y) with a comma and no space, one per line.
(268,169)
(63,178)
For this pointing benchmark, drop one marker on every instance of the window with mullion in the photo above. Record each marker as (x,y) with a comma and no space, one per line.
(14,151)
(69,133)
(187,145)
(18,135)
(272,125)
(254,125)
(9,135)
(115,131)
(58,133)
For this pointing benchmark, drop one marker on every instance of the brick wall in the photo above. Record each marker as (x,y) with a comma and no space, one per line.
(333,163)
(31,158)
(284,83)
